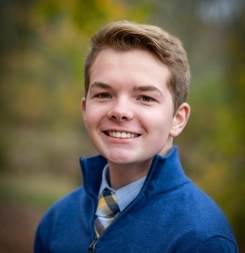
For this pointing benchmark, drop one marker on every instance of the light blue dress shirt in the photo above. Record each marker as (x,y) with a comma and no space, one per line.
(124,195)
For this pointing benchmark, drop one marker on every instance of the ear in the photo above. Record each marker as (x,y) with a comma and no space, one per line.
(180,119)
(83,109)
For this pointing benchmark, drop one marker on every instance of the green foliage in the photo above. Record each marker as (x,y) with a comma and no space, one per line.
(23,188)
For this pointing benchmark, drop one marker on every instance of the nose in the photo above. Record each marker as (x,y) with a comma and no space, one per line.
(121,110)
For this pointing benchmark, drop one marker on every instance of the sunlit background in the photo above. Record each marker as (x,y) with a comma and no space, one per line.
(43,46)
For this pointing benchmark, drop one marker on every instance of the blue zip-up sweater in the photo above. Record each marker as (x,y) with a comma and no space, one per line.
(170,215)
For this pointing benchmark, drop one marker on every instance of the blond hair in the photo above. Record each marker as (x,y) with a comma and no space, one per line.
(125,35)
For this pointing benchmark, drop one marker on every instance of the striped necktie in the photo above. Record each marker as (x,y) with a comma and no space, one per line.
(106,210)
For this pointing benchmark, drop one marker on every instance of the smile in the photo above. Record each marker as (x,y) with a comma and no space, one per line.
(122,135)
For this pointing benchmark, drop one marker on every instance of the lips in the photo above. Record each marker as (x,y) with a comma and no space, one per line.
(122,135)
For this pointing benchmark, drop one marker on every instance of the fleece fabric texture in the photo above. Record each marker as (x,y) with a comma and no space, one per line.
(170,215)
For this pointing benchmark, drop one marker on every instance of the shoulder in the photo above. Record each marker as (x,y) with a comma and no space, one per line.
(201,209)
(196,242)
(58,220)
(64,224)
(62,212)
(206,222)
(193,217)
(218,244)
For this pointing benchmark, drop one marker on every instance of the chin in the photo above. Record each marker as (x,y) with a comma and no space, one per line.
(120,159)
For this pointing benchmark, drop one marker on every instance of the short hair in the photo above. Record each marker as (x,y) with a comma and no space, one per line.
(125,35)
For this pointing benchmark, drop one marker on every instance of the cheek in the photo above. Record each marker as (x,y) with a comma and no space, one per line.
(84,118)
(160,125)
(93,115)
(90,121)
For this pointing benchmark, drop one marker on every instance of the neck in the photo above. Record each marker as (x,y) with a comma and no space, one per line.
(121,174)
(167,147)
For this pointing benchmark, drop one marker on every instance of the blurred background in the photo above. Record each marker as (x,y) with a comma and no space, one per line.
(43,44)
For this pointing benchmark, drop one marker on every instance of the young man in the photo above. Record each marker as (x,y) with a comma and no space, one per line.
(133,199)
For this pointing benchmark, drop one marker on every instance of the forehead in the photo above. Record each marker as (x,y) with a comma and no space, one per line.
(119,53)
(134,64)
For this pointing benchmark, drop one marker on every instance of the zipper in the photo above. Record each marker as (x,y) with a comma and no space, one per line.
(91,248)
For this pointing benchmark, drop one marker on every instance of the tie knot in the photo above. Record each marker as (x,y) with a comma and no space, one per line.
(107,206)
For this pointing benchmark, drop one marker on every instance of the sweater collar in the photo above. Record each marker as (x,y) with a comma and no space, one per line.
(164,175)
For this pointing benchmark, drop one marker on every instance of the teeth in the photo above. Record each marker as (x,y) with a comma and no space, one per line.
(122,135)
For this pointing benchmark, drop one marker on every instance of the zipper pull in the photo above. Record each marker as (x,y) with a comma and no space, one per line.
(91,248)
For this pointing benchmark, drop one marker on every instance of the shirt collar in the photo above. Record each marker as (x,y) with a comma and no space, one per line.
(124,195)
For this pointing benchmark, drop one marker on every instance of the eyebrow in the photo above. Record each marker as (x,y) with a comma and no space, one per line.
(146,88)
(100,85)
(135,88)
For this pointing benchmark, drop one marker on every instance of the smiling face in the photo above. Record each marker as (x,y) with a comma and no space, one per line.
(128,110)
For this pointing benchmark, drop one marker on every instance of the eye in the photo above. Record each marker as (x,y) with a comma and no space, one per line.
(145,99)
(103,95)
